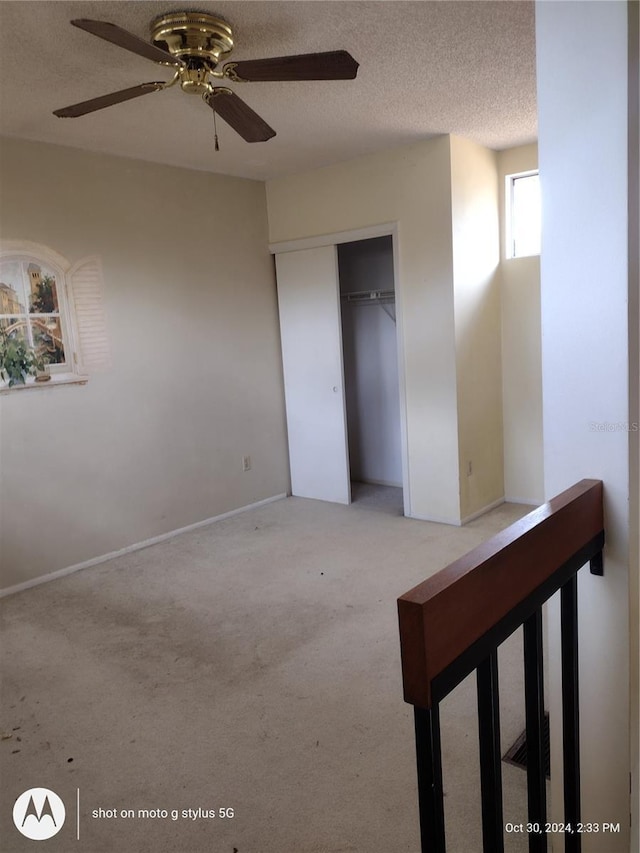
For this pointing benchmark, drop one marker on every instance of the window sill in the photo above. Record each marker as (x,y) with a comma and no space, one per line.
(56,379)
(522,257)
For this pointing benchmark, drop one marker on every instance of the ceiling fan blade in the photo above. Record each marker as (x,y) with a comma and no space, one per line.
(107,100)
(332,65)
(122,38)
(239,115)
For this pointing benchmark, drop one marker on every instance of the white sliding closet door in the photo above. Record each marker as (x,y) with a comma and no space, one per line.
(309,305)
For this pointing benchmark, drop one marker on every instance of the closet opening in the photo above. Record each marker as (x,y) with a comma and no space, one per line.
(371,378)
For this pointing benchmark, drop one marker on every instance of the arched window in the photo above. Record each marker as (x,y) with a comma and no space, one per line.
(51,316)
(33,309)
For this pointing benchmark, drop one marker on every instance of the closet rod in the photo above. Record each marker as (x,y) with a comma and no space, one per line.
(368,296)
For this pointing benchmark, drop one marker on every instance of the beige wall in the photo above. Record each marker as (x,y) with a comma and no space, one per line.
(410,186)
(155,443)
(521,353)
(474,203)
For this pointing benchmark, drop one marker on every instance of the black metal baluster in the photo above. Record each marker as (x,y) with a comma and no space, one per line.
(534,708)
(430,795)
(570,715)
(490,768)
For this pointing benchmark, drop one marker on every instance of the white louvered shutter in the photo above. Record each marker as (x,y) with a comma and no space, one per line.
(87,307)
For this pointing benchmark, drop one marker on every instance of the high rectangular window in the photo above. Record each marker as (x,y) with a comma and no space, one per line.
(524,216)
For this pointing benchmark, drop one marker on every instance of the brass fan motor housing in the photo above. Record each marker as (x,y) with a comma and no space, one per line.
(193,35)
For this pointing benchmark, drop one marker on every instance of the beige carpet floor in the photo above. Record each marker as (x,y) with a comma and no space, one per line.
(251,665)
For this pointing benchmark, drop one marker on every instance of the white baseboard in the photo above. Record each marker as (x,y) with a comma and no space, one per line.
(393,483)
(455,522)
(526,501)
(94,561)
(452,522)
(482,511)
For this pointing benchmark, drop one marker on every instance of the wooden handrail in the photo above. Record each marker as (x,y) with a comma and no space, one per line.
(442,618)
(454,623)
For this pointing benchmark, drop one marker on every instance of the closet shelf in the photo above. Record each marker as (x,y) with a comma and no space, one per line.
(367,297)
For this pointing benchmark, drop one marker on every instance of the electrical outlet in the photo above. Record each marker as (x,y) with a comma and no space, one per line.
(469,468)
(246,463)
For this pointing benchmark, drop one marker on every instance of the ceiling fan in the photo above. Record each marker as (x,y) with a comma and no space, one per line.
(193,44)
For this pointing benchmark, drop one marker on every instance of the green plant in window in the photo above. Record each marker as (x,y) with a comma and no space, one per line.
(17,360)
(43,300)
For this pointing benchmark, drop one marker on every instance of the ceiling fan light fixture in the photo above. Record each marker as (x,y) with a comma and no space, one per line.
(195,78)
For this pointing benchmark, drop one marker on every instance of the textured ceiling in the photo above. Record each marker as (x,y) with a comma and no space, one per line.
(425,68)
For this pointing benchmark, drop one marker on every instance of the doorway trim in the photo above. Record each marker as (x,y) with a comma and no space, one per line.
(384,229)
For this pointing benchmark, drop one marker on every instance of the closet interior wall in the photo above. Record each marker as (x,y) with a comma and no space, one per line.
(370,353)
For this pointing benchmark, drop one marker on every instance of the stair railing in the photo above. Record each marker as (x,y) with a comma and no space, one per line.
(453,623)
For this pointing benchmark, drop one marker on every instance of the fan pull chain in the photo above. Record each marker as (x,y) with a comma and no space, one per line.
(216,147)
